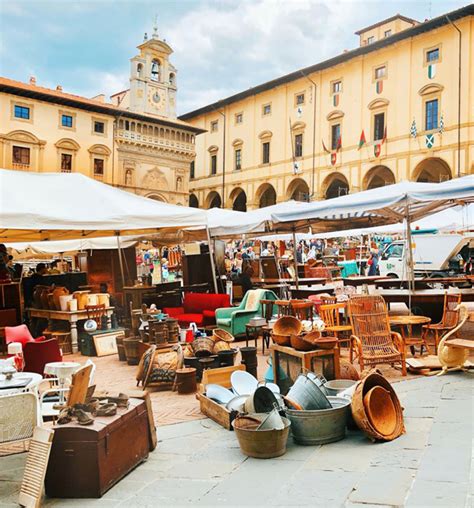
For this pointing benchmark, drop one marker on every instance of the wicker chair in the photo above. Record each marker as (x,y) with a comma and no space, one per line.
(449,320)
(371,337)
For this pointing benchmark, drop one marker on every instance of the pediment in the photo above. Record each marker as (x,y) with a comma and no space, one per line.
(431,88)
(24,136)
(265,134)
(237,142)
(378,103)
(298,126)
(67,144)
(100,149)
(333,115)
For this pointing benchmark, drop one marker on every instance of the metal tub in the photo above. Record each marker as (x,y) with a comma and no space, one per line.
(320,426)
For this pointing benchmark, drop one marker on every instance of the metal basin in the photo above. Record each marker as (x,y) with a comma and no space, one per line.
(308,394)
(320,426)
(337,386)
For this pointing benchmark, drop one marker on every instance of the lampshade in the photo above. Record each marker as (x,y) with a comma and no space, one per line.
(14,348)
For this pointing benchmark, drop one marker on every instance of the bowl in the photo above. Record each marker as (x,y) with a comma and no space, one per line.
(281,340)
(220,334)
(219,393)
(300,343)
(243,383)
(237,403)
(337,386)
(326,342)
(380,410)
(287,325)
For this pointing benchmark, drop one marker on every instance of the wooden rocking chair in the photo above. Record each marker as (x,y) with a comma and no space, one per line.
(372,338)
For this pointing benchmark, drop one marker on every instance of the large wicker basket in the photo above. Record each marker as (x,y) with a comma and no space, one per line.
(203,346)
(220,334)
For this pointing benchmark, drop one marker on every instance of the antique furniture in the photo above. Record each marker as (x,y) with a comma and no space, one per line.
(199,308)
(21,382)
(302,309)
(287,364)
(449,319)
(407,322)
(372,339)
(234,319)
(267,314)
(19,333)
(71,316)
(97,456)
(283,308)
(331,315)
(100,342)
(38,354)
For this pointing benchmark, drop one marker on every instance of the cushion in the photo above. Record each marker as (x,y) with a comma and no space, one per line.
(209,316)
(224,322)
(173,311)
(198,302)
(19,333)
(186,319)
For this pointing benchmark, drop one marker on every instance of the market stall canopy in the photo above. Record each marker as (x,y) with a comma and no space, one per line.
(61,206)
(375,207)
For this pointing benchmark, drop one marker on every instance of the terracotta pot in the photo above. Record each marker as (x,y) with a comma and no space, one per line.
(37,296)
(57,293)
(381,410)
(50,299)
(44,297)
(82,299)
(348,371)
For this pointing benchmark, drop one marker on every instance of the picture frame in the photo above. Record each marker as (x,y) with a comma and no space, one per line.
(105,343)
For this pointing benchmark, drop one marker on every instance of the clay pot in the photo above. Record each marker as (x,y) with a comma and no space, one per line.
(50,298)
(57,293)
(44,297)
(37,296)
(348,371)
(380,410)
(82,299)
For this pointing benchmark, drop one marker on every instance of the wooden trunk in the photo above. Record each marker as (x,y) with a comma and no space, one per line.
(86,461)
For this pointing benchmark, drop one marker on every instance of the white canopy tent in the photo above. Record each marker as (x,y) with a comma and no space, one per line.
(62,206)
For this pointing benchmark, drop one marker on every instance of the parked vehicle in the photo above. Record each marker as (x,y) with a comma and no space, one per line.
(434,255)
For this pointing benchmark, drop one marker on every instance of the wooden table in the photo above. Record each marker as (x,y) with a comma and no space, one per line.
(420,282)
(329,358)
(72,317)
(134,294)
(315,290)
(423,295)
(407,322)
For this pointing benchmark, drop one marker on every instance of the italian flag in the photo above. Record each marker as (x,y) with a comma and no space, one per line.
(362,140)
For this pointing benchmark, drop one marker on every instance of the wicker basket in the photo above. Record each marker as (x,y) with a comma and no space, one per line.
(203,346)
(220,334)
(360,414)
(221,345)
(173,330)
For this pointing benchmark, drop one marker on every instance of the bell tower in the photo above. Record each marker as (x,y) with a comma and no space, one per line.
(153,78)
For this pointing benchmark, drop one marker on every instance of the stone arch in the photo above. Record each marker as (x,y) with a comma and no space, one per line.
(238,198)
(213,200)
(298,190)
(334,185)
(157,197)
(266,195)
(378,176)
(432,170)
(193,201)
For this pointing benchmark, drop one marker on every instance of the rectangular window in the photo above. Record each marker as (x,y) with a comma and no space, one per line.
(238,159)
(267,109)
(239,117)
(335,136)
(370,40)
(192,169)
(99,127)
(266,152)
(98,167)
(213,164)
(387,33)
(432,55)
(380,72)
(337,87)
(214,125)
(22,112)
(300,99)
(299,145)
(66,162)
(21,155)
(66,120)
(379,126)
(431,115)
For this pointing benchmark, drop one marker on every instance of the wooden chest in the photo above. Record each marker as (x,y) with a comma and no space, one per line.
(86,461)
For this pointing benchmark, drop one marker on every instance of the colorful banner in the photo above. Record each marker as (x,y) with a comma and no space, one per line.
(362,140)
(333,158)
(429,140)
(377,148)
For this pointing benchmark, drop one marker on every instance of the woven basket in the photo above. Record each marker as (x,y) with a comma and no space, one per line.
(220,334)
(359,411)
(221,345)
(173,330)
(203,346)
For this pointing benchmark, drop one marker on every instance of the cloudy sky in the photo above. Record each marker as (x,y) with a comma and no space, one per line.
(220,46)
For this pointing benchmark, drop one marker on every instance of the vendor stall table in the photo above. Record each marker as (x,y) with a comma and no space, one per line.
(314,290)
(288,363)
(407,322)
(362,280)
(348,268)
(421,282)
(71,316)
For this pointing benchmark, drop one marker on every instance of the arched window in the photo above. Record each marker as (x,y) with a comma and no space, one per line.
(140,70)
(155,70)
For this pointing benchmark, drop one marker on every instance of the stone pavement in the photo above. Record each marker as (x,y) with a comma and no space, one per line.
(199,463)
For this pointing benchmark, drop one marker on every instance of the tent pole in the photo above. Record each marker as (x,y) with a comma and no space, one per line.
(360,253)
(211,257)
(296,260)
(410,271)
(120,260)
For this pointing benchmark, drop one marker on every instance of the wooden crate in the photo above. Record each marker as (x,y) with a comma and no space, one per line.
(216,412)
(219,376)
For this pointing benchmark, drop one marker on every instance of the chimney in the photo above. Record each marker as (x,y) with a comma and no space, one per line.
(59,88)
(32,80)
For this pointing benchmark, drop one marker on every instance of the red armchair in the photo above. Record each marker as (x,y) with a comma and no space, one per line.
(38,354)
(199,308)
(20,334)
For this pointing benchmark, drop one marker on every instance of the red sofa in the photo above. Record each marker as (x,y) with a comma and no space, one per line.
(199,308)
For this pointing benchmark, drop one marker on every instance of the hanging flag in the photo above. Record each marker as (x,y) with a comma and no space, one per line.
(379,86)
(324,147)
(431,71)
(334,158)
(441,125)
(339,144)
(413,132)
(384,135)
(429,140)
(377,148)
(362,140)
(335,100)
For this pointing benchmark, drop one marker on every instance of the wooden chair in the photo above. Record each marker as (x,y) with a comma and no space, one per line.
(96,312)
(267,313)
(371,336)
(328,300)
(302,309)
(448,321)
(284,307)
(331,315)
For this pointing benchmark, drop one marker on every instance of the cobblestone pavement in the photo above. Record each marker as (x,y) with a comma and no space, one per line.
(199,463)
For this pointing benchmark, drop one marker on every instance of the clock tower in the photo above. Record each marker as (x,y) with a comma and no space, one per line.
(153,79)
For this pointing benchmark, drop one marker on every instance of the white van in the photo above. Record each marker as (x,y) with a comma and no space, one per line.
(432,254)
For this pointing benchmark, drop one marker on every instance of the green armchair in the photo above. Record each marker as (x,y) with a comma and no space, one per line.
(234,319)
